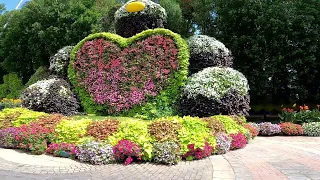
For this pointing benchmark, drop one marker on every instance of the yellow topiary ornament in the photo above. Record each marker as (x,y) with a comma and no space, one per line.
(135,6)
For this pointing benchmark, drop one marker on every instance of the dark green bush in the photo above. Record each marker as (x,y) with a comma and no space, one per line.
(11,87)
(41,74)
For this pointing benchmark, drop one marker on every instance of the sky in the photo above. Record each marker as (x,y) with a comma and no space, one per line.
(11,4)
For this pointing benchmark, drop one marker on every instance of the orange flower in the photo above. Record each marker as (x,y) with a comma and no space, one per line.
(290,110)
(306,107)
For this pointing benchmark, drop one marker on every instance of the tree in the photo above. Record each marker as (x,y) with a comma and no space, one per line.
(40,28)
(275,44)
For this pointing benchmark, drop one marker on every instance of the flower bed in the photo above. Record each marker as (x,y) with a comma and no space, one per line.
(165,140)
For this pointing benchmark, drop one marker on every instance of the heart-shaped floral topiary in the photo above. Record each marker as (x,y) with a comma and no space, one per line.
(141,75)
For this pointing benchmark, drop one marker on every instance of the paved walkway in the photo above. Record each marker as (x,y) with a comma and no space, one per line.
(268,158)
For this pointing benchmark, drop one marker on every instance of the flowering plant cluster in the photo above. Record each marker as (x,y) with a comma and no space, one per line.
(252,130)
(223,143)
(60,61)
(34,138)
(129,76)
(138,76)
(7,137)
(311,129)
(206,52)
(95,153)
(269,129)
(289,128)
(238,141)
(167,152)
(215,90)
(198,153)
(301,115)
(52,96)
(56,149)
(126,151)
(255,126)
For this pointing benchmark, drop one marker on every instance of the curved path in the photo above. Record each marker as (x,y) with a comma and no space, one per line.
(268,158)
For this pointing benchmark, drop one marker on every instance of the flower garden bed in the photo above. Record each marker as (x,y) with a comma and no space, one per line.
(103,140)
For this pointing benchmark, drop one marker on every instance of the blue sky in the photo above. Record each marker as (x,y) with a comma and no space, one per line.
(11,4)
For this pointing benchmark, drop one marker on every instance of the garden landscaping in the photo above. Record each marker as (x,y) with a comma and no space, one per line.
(142,94)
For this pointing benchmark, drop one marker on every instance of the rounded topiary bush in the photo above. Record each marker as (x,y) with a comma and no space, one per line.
(51,96)
(206,52)
(311,129)
(215,90)
(60,61)
(128,24)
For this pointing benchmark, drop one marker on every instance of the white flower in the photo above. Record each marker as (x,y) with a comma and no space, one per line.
(215,82)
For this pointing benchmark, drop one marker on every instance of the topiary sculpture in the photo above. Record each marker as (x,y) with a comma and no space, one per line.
(206,52)
(215,90)
(60,61)
(51,96)
(128,23)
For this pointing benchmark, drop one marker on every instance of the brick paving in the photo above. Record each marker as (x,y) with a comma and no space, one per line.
(279,157)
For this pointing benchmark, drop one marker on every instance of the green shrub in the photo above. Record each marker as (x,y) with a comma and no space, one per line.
(193,131)
(231,126)
(215,125)
(164,130)
(41,74)
(311,129)
(18,116)
(12,86)
(137,132)
(164,95)
(71,131)
(300,117)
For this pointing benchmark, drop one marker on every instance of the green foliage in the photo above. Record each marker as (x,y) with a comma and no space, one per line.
(193,131)
(303,116)
(175,21)
(161,105)
(137,132)
(272,41)
(311,129)
(11,87)
(231,126)
(164,130)
(71,131)
(19,116)
(41,73)
(40,28)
